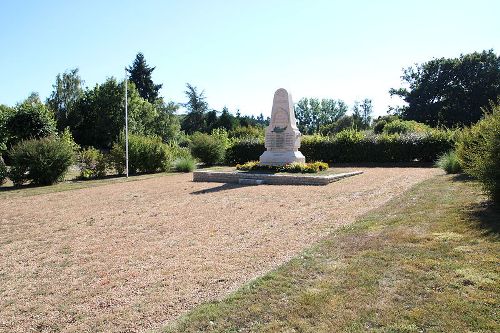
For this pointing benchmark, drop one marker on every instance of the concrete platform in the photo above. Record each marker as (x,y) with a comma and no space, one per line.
(247,178)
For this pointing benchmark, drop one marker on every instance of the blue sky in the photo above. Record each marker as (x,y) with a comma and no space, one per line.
(239,51)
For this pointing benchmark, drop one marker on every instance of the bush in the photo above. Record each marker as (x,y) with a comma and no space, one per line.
(247,132)
(350,146)
(449,162)
(478,150)
(244,150)
(399,126)
(3,171)
(185,164)
(41,161)
(294,167)
(30,120)
(92,163)
(146,154)
(209,149)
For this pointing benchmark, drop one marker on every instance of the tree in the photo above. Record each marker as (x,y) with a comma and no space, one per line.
(140,74)
(167,124)
(67,91)
(31,119)
(5,113)
(226,120)
(311,113)
(196,105)
(99,115)
(361,113)
(450,92)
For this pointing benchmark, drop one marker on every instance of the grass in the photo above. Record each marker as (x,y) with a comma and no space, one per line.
(425,262)
(71,182)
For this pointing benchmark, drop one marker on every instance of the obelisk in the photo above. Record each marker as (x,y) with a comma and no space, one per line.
(282,135)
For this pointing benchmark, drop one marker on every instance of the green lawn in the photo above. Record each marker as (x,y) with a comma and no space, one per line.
(428,261)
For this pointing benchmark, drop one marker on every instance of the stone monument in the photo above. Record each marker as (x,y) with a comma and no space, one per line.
(282,135)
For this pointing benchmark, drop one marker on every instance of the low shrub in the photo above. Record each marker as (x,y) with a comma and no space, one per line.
(40,161)
(209,149)
(449,162)
(3,172)
(147,154)
(185,164)
(294,167)
(478,150)
(92,163)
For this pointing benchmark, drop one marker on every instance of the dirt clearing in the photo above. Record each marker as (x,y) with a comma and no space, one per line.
(132,256)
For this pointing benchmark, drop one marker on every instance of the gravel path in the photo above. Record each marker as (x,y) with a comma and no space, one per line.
(132,256)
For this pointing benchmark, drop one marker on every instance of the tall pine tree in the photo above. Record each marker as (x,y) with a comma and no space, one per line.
(140,74)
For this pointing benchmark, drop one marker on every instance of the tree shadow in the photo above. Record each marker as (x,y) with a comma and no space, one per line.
(486,217)
(462,177)
(223,187)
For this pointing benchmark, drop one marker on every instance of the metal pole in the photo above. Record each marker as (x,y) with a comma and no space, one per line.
(126,124)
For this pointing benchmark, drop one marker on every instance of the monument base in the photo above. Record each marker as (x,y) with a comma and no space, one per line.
(281,157)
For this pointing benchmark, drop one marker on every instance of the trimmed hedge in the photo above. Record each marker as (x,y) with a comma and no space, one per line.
(354,147)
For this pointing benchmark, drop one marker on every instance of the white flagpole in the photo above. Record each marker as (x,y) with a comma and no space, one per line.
(126,124)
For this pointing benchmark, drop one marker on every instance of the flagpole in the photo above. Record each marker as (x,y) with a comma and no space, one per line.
(126,124)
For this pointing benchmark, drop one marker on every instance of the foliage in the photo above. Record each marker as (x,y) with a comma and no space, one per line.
(399,126)
(450,92)
(361,113)
(167,125)
(343,123)
(185,164)
(197,106)
(99,115)
(381,121)
(31,119)
(294,167)
(209,149)
(92,163)
(147,154)
(449,162)
(140,75)
(3,171)
(5,113)
(311,113)
(67,91)
(478,149)
(42,161)
(246,132)
(350,146)
(244,150)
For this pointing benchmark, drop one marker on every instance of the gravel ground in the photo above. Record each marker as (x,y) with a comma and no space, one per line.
(133,256)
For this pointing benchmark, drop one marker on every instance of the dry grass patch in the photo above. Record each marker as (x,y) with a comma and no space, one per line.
(132,256)
(426,262)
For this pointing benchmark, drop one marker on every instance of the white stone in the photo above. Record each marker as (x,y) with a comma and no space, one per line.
(282,135)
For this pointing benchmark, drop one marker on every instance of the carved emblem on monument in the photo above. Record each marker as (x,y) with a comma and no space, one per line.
(282,135)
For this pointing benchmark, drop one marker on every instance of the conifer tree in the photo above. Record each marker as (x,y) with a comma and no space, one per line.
(140,74)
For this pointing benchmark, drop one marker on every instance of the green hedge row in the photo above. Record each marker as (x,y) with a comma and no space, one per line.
(353,147)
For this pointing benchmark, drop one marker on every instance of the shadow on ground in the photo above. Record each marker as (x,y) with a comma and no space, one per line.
(223,187)
(486,216)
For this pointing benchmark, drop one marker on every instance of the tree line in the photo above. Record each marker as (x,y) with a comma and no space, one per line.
(444,92)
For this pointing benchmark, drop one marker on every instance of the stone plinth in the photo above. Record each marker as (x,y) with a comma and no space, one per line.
(282,135)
